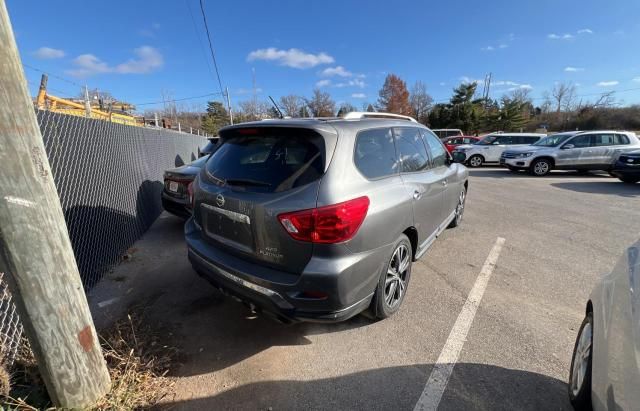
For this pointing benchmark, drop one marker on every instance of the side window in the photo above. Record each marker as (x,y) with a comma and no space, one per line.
(375,154)
(467,141)
(436,149)
(603,140)
(507,140)
(411,149)
(581,141)
(621,140)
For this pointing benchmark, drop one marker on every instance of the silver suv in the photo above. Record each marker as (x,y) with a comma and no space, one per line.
(320,219)
(489,149)
(581,151)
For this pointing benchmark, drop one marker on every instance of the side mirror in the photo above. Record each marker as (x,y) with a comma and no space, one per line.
(568,146)
(458,157)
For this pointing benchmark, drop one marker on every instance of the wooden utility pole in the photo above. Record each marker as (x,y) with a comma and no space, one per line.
(35,250)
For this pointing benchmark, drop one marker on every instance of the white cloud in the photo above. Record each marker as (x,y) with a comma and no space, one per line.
(488,48)
(585,31)
(48,53)
(608,83)
(522,87)
(336,71)
(570,69)
(244,91)
(503,46)
(323,83)
(351,83)
(291,58)
(359,95)
(442,83)
(147,59)
(554,36)
(637,79)
(465,79)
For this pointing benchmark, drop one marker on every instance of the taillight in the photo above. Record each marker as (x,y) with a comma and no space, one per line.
(190,194)
(329,224)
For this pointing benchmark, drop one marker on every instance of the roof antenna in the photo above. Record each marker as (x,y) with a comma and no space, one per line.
(277,108)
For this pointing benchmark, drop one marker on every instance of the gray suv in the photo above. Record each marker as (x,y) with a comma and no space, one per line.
(574,150)
(320,219)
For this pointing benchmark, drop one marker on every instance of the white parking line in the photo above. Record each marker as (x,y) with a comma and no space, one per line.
(443,367)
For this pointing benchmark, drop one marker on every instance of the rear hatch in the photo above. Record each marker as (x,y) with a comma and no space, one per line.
(257,173)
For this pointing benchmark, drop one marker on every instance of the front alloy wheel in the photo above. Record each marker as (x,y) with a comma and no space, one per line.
(581,363)
(475,161)
(392,286)
(541,167)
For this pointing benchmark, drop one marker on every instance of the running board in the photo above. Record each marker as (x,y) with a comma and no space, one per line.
(430,240)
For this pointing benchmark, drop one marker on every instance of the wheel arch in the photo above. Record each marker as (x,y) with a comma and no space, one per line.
(551,160)
(412,234)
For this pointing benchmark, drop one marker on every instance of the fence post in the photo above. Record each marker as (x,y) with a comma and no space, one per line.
(190,130)
(42,92)
(155,118)
(179,129)
(198,131)
(87,103)
(36,250)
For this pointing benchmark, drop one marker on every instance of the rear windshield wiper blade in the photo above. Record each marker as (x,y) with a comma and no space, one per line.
(246,182)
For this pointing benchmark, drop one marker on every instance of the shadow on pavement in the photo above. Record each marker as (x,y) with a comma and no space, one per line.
(505,173)
(601,187)
(471,387)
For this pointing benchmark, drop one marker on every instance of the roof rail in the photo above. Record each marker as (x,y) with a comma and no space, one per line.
(365,114)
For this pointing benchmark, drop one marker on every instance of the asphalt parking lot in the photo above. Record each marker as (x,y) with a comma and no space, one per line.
(560,232)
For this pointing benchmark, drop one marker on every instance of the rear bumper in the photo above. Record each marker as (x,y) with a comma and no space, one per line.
(181,208)
(349,289)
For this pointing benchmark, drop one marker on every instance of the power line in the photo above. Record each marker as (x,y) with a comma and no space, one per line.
(213,54)
(177,99)
(52,75)
(195,29)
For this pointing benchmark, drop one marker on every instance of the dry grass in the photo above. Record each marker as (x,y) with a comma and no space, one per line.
(138,360)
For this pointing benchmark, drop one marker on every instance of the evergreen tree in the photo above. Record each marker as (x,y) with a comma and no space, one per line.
(215,118)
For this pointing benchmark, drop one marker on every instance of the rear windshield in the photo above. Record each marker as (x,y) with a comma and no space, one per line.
(268,160)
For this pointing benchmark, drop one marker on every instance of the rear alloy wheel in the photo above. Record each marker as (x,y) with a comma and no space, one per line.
(476,161)
(629,180)
(541,167)
(581,363)
(459,208)
(393,282)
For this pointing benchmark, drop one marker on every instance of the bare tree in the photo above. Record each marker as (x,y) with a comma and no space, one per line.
(254,110)
(605,100)
(321,104)
(564,95)
(521,95)
(291,105)
(420,101)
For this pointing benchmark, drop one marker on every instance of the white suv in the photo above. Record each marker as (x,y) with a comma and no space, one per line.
(574,150)
(490,148)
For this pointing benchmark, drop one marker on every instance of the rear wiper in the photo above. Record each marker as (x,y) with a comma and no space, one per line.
(246,182)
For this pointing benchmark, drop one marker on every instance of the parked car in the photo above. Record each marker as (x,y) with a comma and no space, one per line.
(175,195)
(581,151)
(208,148)
(490,148)
(319,219)
(627,167)
(605,365)
(452,142)
(447,132)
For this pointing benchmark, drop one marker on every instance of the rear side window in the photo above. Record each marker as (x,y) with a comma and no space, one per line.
(411,149)
(468,141)
(375,154)
(437,150)
(621,139)
(603,140)
(269,159)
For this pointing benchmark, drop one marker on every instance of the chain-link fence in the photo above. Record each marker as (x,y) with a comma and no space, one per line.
(109,179)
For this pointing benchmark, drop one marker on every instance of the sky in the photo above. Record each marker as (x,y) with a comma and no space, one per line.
(137,50)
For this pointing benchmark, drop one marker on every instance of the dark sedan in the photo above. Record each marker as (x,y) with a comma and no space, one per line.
(627,167)
(175,195)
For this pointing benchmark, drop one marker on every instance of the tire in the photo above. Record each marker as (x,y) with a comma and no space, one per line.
(629,180)
(386,300)
(580,391)
(540,167)
(475,161)
(459,208)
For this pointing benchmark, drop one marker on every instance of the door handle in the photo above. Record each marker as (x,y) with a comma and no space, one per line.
(417,194)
